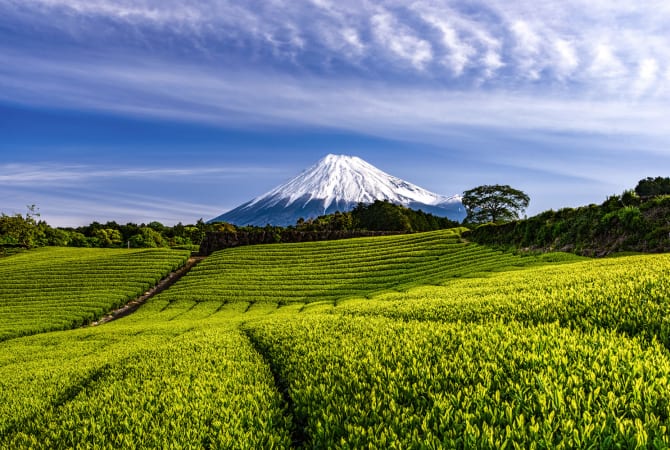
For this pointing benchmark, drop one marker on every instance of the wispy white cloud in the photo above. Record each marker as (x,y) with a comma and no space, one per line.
(647,76)
(606,64)
(70,194)
(145,11)
(352,38)
(459,52)
(63,175)
(75,207)
(252,99)
(566,59)
(494,43)
(527,47)
(400,40)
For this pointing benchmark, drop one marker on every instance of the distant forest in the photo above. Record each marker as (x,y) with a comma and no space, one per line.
(27,231)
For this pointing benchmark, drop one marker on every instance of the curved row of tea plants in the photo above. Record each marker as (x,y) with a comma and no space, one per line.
(141,383)
(59,288)
(333,270)
(629,295)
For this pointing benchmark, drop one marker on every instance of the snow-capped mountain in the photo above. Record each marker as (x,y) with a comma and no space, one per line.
(338,183)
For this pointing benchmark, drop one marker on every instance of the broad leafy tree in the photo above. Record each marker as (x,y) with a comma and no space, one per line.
(19,230)
(494,203)
(652,187)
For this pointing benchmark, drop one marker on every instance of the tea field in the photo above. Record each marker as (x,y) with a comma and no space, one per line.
(59,288)
(415,341)
(334,270)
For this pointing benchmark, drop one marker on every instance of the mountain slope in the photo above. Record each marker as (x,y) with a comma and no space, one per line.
(337,183)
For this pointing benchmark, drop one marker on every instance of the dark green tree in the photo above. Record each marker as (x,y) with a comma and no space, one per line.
(494,203)
(653,187)
(108,237)
(19,230)
(381,216)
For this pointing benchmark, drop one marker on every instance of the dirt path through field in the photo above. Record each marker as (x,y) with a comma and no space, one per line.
(163,284)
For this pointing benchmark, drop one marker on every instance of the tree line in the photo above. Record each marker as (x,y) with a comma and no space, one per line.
(377,216)
(27,231)
(637,220)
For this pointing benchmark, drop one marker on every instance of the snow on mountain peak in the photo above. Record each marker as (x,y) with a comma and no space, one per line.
(348,179)
(337,183)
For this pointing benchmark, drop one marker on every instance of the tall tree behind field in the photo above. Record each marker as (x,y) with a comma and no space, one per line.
(494,203)
(19,230)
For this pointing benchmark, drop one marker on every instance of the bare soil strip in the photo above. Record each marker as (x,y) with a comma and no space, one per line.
(163,284)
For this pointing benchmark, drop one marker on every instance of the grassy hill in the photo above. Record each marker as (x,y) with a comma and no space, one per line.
(334,270)
(55,288)
(625,223)
(392,342)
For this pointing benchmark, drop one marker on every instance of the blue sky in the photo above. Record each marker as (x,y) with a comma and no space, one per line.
(141,110)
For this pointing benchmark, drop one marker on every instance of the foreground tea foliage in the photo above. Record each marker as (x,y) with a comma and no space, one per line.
(166,384)
(359,382)
(629,295)
(59,288)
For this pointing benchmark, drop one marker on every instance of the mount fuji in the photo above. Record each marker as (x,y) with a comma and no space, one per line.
(337,183)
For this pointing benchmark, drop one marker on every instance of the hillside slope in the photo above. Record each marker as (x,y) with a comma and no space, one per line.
(620,224)
(333,270)
(57,288)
